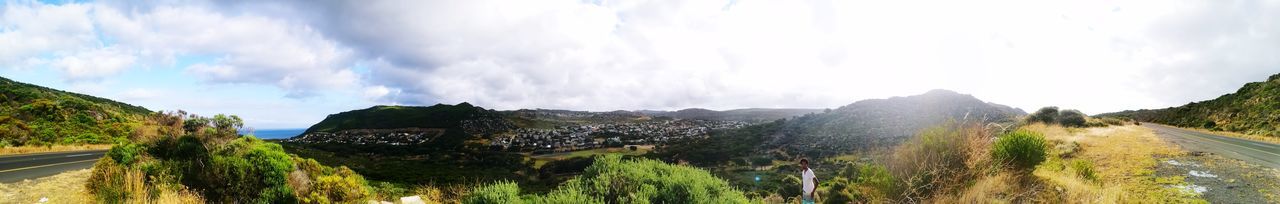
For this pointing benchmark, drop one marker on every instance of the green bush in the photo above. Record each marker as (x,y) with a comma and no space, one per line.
(877,177)
(249,166)
(340,186)
(126,153)
(614,180)
(1046,115)
(1020,149)
(498,193)
(1071,118)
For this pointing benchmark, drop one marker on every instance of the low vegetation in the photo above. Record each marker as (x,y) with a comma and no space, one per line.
(1021,150)
(612,179)
(1251,110)
(1113,164)
(183,158)
(31,115)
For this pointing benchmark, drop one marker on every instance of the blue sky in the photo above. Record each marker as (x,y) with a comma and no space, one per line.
(288,64)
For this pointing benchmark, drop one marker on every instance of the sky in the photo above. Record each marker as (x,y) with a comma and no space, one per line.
(288,64)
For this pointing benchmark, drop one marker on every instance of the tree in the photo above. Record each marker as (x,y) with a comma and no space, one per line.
(227,125)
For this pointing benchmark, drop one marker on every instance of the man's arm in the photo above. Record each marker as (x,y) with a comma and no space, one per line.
(813,194)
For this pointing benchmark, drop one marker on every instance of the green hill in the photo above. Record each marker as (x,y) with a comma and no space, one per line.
(35,115)
(882,122)
(863,124)
(393,117)
(1254,109)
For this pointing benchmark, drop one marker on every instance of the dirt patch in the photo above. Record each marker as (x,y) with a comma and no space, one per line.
(1222,180)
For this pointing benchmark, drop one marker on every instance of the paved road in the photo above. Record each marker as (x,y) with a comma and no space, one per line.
(29,166)
(1261,153)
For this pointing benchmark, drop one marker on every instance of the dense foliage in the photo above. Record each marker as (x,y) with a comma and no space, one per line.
(611,179)
(1021,150)
(1253,109)
(206,156)
(1068,118)
(34,115)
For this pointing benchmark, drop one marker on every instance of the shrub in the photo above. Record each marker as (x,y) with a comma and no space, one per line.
(1083,169)
(126,153)
(1021,149)
(940,158)
(498,193)
(113,183)
(614,180)
(643,180)
(1112,121)
(1071,118)
(248,166)
(344,186)
(877,177)
(1046,115)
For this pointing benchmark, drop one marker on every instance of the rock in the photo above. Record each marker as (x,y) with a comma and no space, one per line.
(412,200)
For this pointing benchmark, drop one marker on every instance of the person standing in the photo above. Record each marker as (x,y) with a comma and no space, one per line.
(809,182)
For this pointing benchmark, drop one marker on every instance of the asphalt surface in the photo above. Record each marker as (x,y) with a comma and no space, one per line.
(15,168)
(1260,153)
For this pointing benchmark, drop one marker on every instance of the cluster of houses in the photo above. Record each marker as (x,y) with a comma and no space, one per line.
(589,136)
(506,136)
(401,136)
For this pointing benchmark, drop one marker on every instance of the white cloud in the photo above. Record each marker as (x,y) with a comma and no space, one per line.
(93,64)
(31,30)
(655,54)
(95,40)
(1093,55)
(249,48)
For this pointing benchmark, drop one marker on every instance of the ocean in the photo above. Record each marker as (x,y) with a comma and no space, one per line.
(277,133)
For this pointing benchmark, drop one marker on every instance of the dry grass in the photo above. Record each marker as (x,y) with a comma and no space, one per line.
(67,187)
(1125,158)
(178,196)
(54,148)
(941,160)
(1000,188)
(438,195)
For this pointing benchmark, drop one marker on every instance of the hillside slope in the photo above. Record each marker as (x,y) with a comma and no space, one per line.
(35,115)
(1253,109)
(394,117)
(887,121)
(863,124)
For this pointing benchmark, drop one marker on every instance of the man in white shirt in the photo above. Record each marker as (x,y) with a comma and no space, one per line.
(809,182)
